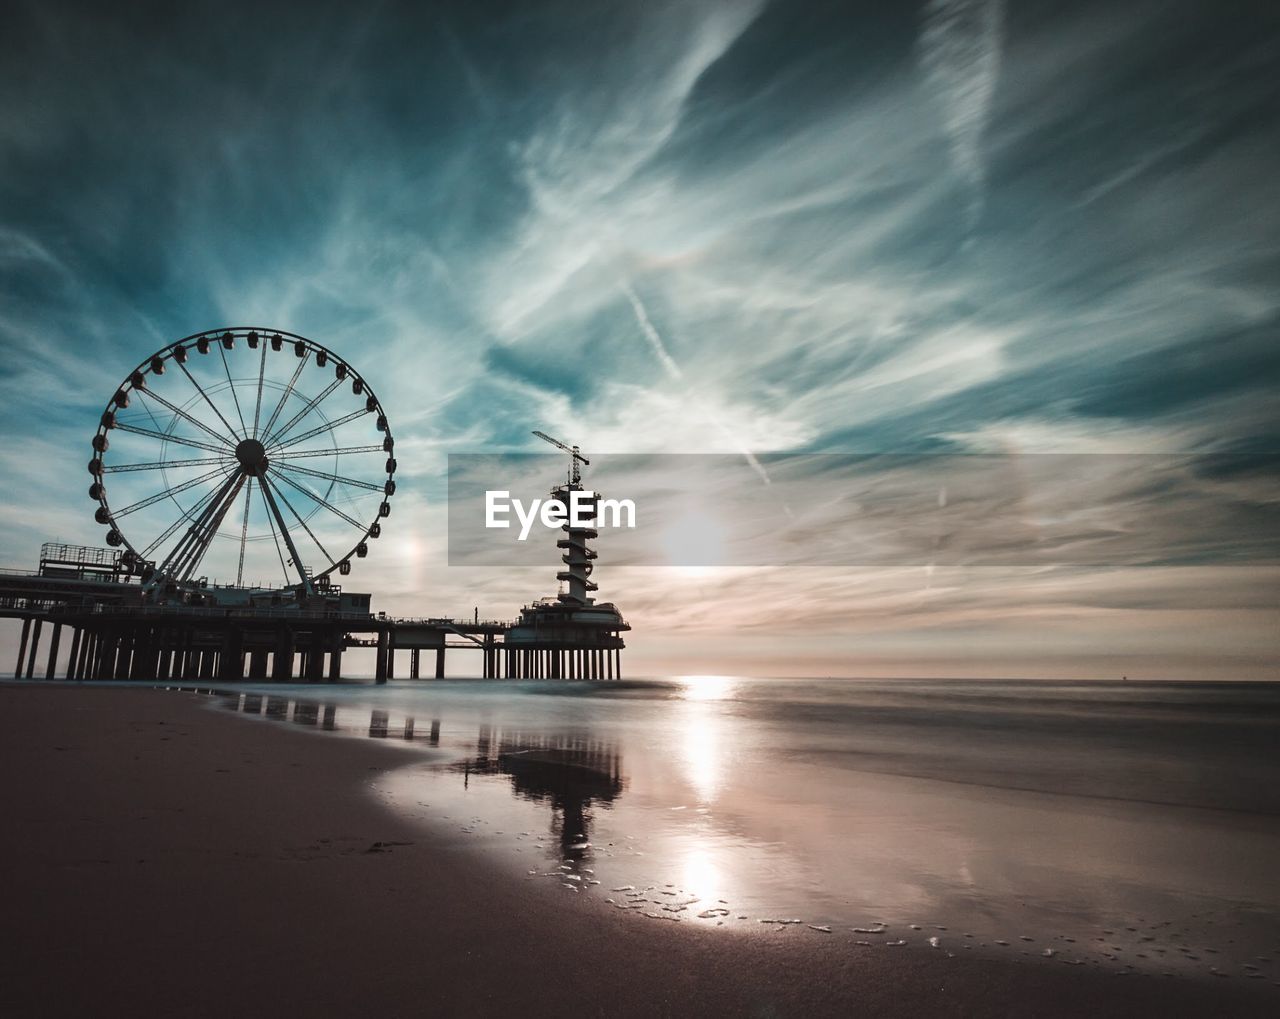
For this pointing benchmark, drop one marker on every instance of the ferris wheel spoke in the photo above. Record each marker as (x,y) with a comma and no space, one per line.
(185,516)
(311,405)
(172,490)
(284,533)
(187,417)
(244,531)
(339,451)
(231,384)
(328,427)
(166,437)
(329,477)
(315,498)
(157,465)
(262,374)
(205,539)
(288,391)
(262,489)
(186,556)
(281,496)
(212,407)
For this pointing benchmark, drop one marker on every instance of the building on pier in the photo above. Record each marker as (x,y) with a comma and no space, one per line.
(570,636)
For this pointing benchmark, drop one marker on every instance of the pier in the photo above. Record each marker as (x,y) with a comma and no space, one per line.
(234,424)
(83,622)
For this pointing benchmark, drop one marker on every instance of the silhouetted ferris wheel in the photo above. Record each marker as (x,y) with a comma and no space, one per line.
(246,454)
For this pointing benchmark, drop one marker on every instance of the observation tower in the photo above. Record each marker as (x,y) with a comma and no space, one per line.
(570,636)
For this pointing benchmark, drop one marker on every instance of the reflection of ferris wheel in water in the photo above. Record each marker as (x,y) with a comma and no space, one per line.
(227,456)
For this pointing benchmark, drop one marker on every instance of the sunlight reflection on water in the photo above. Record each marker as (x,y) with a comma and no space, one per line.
(999,811)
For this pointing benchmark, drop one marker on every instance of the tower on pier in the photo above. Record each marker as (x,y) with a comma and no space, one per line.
(577,556)
(571,636)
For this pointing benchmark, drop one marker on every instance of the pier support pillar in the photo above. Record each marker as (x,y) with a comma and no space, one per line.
(122,648)
(440,663)
(54,639)
(185,664)
(138,659)
(380,666)
(22,647)
(282,666)
(335,662)
(258,664)
(35,646)
(124,655)
(107,651)
(74,654)
(164,654)
(86,654)
(315,660)
(232,656)
(98,664)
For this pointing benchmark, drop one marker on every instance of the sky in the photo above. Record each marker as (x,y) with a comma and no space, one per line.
(748,229)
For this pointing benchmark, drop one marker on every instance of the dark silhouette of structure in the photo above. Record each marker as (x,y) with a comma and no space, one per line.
(135,611)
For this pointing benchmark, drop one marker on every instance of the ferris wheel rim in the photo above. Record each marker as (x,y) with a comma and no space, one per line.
(344,370)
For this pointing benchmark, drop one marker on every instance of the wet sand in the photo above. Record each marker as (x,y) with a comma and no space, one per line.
(163,858)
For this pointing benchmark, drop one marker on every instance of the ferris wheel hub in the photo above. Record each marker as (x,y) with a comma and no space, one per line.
(253,457)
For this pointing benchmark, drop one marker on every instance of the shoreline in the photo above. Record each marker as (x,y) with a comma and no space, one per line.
(184,863)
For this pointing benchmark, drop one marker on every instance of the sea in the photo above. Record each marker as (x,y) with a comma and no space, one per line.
(1124,826)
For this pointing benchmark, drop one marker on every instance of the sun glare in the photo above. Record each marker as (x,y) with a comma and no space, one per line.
(706,688)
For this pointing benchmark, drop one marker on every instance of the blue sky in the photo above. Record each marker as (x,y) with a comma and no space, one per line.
(688,227)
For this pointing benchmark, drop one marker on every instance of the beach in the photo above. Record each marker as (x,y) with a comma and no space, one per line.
(165,858)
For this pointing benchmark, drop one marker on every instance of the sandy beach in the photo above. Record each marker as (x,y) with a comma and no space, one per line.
(162,858)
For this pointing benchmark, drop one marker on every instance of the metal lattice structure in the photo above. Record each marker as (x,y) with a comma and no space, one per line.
(273,455)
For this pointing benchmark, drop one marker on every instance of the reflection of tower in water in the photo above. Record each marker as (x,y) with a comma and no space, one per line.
(571,772)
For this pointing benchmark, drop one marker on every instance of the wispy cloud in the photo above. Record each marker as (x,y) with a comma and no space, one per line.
(672,227)
(960,50)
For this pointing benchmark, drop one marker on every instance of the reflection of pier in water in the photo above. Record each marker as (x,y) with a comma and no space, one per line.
(571,772)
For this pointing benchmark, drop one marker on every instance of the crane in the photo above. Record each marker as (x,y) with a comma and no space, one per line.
(576,457)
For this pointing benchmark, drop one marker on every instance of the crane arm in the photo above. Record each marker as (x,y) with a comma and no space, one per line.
(571,450)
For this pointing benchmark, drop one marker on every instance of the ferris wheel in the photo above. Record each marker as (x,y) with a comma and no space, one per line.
(253,456)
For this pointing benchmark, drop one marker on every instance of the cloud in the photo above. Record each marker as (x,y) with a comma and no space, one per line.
(672,227)
(960,45)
